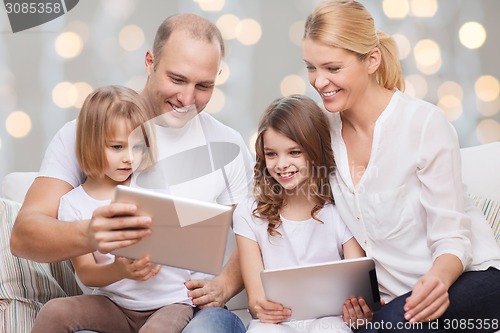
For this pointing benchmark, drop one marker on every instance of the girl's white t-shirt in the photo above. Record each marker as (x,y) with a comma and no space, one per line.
(301,242)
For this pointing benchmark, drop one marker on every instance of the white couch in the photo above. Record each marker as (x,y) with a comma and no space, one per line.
(26,285)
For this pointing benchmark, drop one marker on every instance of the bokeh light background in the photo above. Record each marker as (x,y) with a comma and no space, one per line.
(450,50)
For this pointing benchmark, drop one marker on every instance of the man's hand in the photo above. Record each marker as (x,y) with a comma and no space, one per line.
(207,293)
(114,226)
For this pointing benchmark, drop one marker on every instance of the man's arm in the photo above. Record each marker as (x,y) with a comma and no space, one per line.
(38,235)
(219,290)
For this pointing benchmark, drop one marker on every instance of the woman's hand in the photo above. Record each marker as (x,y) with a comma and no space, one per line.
(137,269)
(428,301)
(356,312)
(270,312)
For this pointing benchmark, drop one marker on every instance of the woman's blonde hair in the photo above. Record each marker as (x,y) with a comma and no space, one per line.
(99,117)
(347,24)
(300,119)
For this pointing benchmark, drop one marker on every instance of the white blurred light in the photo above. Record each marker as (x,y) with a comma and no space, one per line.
(137,82)
(248,32)
(472,35)
(488,130)
(131,38)
(487,88)
(211,5)
(427,56)
(416,86)
(424,8)
(293,84)
(296,32)
(404,45)
(8,97)
(80,28)
(217,101)
(224,74)
(396,9)
(227,25)
(83,89)
(450,96)
(451,88)
(64,94)
(120,9)
(452,107)
(68,45)
(18,124)
(488,109)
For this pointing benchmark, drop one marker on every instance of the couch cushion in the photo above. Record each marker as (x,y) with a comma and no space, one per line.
(26,285)
(480,165)
(491,210)
(16,184)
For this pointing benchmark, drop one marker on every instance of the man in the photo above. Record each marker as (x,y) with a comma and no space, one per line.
(182,69)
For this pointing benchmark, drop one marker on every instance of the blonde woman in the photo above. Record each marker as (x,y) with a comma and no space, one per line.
(398,183)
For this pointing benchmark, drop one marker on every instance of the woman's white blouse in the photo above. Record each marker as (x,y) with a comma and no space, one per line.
(408,207)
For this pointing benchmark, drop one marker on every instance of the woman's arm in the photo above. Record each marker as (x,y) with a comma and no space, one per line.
(448,226)
(429,298)
(251,266)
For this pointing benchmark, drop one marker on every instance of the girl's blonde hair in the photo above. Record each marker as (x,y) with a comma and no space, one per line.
(347,24)
(300,119)
(99,117)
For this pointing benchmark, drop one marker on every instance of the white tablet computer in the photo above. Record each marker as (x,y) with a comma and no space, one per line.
(186,233)
(320,290)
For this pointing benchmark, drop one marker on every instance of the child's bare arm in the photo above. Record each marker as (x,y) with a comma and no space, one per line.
(251,266)
(94,275)
(352,249)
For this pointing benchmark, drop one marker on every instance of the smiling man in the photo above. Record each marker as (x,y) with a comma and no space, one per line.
(181,68)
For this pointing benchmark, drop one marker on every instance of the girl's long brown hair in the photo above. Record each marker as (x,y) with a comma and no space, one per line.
(300,119)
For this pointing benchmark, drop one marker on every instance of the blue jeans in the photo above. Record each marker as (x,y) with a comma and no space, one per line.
(474,307)
(214,320)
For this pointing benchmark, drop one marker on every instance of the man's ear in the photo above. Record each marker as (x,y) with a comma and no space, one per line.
(374,59)
(149,62)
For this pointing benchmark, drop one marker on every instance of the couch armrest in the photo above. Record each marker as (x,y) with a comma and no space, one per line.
(16,184)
